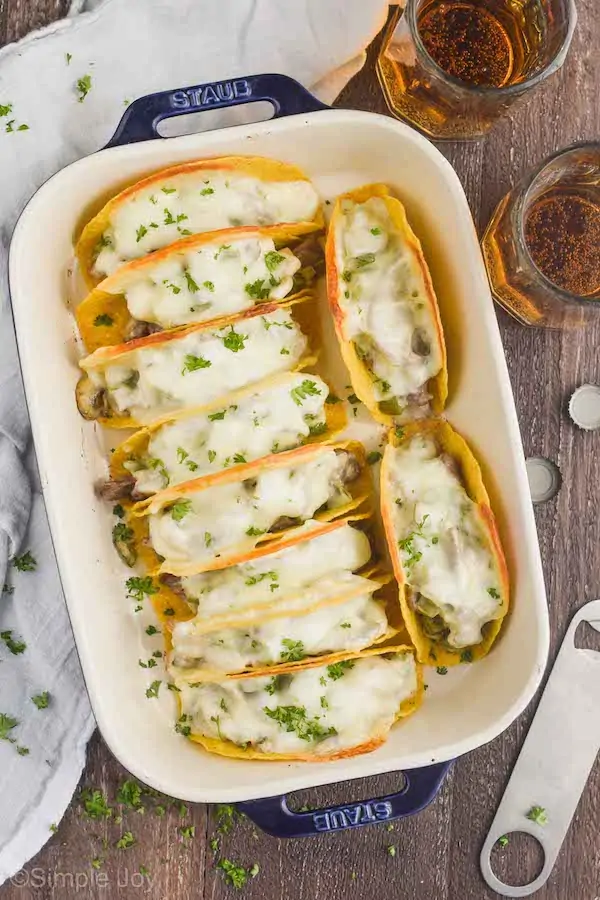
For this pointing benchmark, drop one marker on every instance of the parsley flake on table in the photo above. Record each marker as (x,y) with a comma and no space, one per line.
(391,850)
(538,815)
(306,389)
(42,700)
(234,874)
(83,86)
(125,841)
(187,832)
(130,794)
(25,563)
(95,804)
(15,647)
(503,841)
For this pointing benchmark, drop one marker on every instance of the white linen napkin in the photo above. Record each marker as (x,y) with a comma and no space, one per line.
(128,48)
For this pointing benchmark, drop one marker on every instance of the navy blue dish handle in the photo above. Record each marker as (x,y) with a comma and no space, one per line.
(140,120)
(275,817)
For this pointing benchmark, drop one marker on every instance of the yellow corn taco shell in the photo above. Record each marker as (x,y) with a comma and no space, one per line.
(260,168)
(429,650)
(360,490)
(360,375)
(137,445)
(88,395)
(271,609)
(224,747)
(103,316)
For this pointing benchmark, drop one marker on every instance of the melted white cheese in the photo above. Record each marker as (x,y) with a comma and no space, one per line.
(332,713)
(444,547)
(383,296)
(195,203)
(280,574)
(217,279)
(305,631)
(226,518)
(278,417)
(201,366)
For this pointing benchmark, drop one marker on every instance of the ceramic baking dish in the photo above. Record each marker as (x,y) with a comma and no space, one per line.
(338,149)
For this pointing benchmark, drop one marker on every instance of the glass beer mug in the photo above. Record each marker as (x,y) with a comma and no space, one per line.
(451,67)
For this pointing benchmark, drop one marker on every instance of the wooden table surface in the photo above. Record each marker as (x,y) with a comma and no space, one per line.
(437,851)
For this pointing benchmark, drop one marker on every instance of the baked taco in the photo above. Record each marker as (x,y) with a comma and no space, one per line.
(384,307)
(272,416)
(198,279)
(315,712)
(336,615)
(149,378)
(444,544)
(316,550)
(192,198)
(216,521)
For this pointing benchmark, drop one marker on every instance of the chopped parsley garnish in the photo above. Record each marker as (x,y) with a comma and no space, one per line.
(216,416)
(466,656)
(138,587)
(255,579)
(206,191)
(332,399)
(208,538)
(274,684)
(7,723)
(294,719)
(84,86)
(141,232)
(407,545)
(373,457)
(182,454)
(118,511)
(441,670)
(293,650)
(284,352)
(180,509)
(365,259)
(5,109)
(41,700)
(239,458)
(172,287)
(169,611)
(337,670)
(258,290)
(169,220)
(503,841)
(324,703)
(122,533)
(209,285)
(493,593)
(68,58)
(234,341)
(191,363)
(95,804)
(22,751)
(104,319)
(212,455)
(151,630)
(399,432)
(375,231)
(25,563)
(345,625)
(254,532)
(15,647)
(167,190)
(273,259)
(304,390)
(221,248)
(352,398)
(317,428)
(125,841)
(192,286)
(538,815)
(347,276)
(181,727)
(153,690)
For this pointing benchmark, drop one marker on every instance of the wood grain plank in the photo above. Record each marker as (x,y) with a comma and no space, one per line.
(437,851)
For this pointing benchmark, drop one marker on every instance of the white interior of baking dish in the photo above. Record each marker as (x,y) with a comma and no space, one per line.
(338,150)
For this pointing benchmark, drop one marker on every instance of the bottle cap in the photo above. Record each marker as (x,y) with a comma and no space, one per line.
(584,407)
(545,479)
